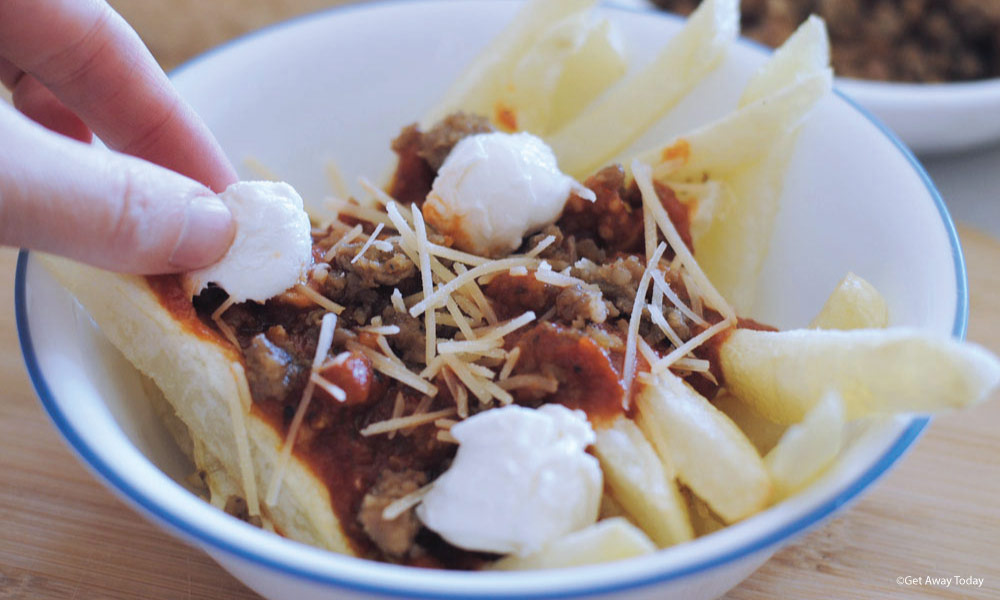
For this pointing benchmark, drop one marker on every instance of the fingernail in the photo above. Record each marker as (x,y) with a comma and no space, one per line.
(206,234)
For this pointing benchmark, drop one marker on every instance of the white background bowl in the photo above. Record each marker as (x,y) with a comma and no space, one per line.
(340,85)
(933,118)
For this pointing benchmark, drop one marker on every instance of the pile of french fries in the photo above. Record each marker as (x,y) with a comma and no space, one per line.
(686,466)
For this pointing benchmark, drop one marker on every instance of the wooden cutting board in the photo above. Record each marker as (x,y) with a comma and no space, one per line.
(64,536)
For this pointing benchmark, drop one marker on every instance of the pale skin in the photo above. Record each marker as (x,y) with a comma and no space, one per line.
(75,70)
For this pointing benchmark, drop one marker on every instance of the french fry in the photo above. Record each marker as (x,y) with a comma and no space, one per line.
(642,483)
(734,142)
(746,153)
(608,126)
(877,372)
(712,456)
(806,52)
(807,448)
(481,85)
(604,541)
(732,249)
(572,63)
(762,433)
(610,507)
(854,304)
(703,519)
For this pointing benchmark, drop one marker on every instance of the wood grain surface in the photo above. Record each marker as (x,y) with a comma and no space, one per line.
(64,536)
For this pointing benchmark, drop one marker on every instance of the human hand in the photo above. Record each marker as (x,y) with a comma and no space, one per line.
(78,69)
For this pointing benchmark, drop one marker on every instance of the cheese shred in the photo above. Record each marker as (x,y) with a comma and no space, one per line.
(327,328)
(239,406)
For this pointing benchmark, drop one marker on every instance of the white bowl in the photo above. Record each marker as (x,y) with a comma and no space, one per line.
(933,118)
(339,85)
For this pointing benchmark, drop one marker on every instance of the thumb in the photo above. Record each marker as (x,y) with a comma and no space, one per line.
(107,209)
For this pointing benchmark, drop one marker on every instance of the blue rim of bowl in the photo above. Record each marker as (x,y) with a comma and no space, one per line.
(205,535)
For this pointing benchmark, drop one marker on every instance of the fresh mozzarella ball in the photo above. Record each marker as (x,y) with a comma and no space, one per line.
(272,249)
(521,479)
(496,187)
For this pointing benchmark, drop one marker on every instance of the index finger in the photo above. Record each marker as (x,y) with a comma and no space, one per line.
(90,58)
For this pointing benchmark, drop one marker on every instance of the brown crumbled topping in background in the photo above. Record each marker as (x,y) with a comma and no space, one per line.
(897,40)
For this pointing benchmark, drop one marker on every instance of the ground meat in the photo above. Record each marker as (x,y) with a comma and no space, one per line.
(376,267)
(579,305)
(421,154)
(409,342)
(413,177)
(611,220)
(395,537)
(618,280)
(436,144)
(363,286)
(270,369)
(512,295)
(898,40)
(588,379)
(614,221)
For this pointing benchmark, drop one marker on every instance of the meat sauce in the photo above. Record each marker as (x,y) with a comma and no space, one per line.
(278,340)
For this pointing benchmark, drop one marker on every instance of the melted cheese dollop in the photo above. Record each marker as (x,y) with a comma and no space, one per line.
(521,478)
(272,249)
(496,187)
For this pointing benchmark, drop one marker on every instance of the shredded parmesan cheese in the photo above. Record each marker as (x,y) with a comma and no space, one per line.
(649,231)
(323,344)
(663,287)
(397,411)
(693,293)
(362,213)
(347,238)
(440,295)
(472,290)
(329,387)
(628,368)
(261,170)
(460,321)
(458,392)
(319,299)
(644,180)
(446,436)
(368,243)
(690,345)
(660,321)
(397,300)
(463,372)
(559,279)
(238,407)
(510,363)
(541,246)
(222,325)
(335,177)
(394,368)
(406,422)
(430,325)
(695,365)
(498,331)
(377,193)
(381,329)
(405,503)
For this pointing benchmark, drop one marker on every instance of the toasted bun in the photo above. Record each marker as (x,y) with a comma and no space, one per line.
(195,377)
